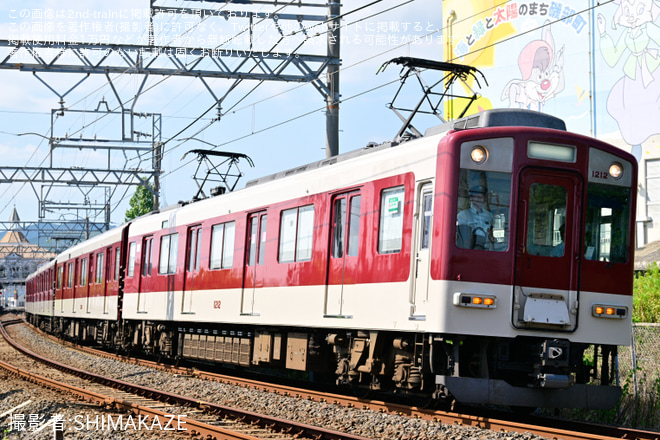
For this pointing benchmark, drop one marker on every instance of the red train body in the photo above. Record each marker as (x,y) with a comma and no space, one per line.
(481,261)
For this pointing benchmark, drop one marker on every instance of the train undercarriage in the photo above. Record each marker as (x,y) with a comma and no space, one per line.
(524,371)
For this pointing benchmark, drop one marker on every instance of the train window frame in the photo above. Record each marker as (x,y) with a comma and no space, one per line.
(296,234)
(169,248)
(611,244)
(117,262)
(130,272)
(70,273)
(355,213)
(222,246)
(496,187)
(60,277)
(147,255)
(390,225)
(256,250)
(83,272)
(100,259)
(546,220)
(194,248)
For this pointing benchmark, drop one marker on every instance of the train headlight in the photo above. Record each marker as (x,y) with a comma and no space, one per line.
(476,300)
(609,311)
(616,170)
(479,154)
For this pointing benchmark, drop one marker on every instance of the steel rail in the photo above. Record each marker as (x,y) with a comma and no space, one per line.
(200,428)
(544,427)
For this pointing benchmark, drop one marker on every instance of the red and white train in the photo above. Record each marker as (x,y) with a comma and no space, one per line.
(490,260)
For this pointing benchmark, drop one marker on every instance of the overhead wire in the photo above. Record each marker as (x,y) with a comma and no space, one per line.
(377,87)
(93,122)
(368,91)
(159,82)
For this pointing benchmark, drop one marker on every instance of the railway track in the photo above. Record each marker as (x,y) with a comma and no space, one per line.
(495,421)
(151,409)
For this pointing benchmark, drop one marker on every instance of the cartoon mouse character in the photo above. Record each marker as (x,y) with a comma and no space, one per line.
(542,74)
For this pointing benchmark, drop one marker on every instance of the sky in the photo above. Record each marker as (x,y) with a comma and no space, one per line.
(279,125)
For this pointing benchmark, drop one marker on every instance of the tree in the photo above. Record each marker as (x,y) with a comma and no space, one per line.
(141,203)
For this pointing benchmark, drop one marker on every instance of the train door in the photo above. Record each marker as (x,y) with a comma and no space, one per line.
(422,263)
(343,258)
(193,254)
(547,250)
(254,261)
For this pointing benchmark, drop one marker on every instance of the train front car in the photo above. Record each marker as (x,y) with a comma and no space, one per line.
(534,259)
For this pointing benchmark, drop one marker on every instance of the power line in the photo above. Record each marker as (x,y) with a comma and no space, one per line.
(372,89)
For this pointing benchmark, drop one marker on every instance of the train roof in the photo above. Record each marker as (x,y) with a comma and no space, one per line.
(501,118)
(484,119)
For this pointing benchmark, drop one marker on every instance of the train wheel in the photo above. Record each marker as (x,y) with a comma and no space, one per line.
(362,393)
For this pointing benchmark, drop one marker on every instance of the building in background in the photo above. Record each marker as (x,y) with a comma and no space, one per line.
(18,259)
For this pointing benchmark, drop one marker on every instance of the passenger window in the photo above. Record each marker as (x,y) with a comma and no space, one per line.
(222,246)
(296,233)
(147,252)
(354,226)
(546,220)
(194,248)
(99,268)
(339,228)
(131,260)
(257,239)
(483,210)
(69,281)
(427,216)
(60,276)
(169,246)
(390,235)
(83,272)
(117,263)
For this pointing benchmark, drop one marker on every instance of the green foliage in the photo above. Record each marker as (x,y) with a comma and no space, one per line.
(646,295)
(141,203)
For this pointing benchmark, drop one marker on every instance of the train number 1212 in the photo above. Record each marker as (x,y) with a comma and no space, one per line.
(599,174)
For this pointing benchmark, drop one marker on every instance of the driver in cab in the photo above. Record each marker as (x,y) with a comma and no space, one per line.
(475,224)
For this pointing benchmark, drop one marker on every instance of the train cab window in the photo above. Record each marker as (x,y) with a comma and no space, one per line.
(546,220)
(607,223)
(169,246)
(222,245)
(483,210)
(390,233)
(296,232)
(131,259)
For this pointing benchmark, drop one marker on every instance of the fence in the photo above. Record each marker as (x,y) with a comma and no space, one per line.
(639,375)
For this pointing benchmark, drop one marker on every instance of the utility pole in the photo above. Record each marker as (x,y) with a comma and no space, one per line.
(333,96)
